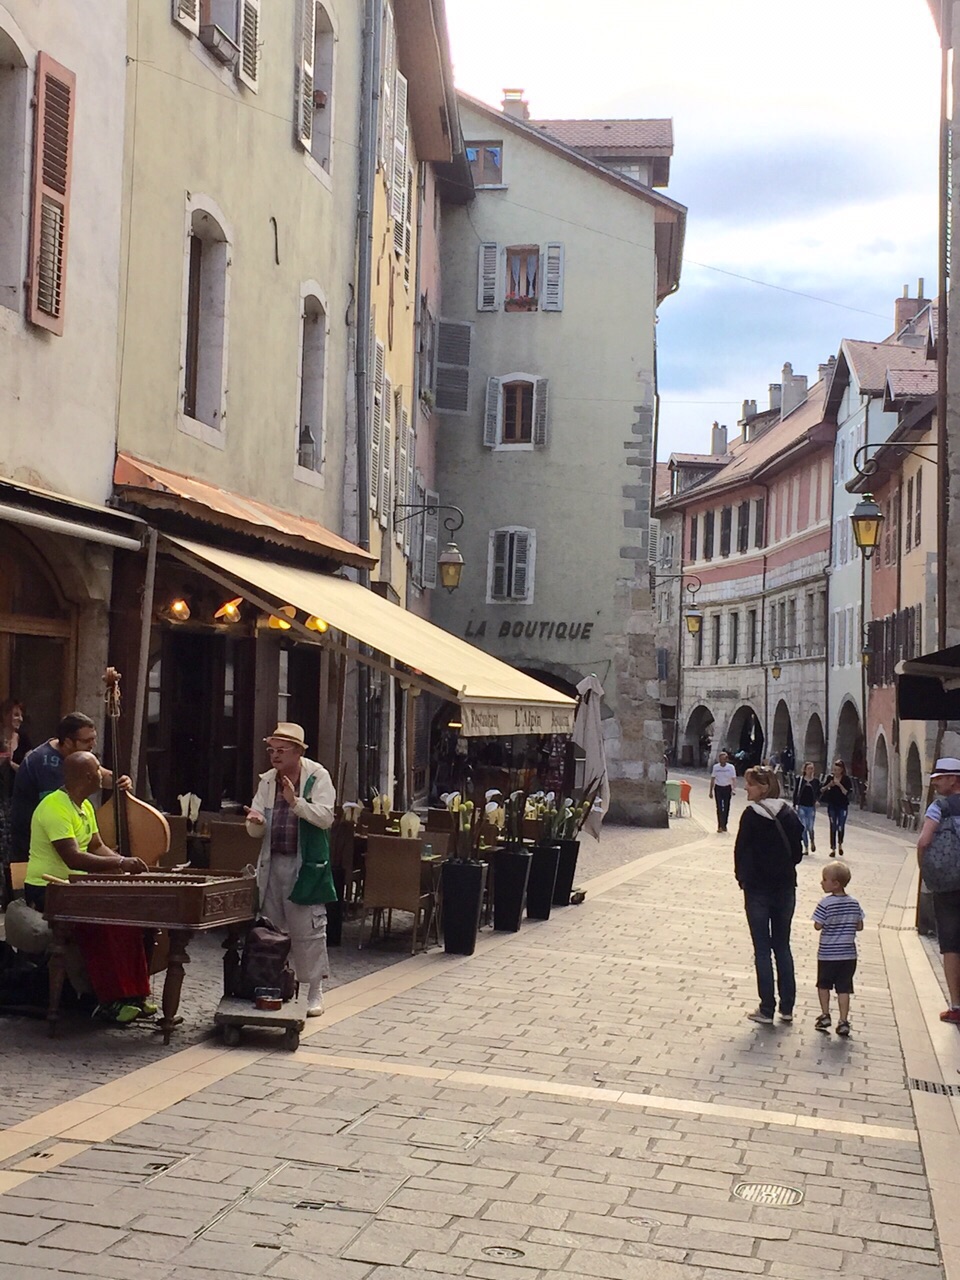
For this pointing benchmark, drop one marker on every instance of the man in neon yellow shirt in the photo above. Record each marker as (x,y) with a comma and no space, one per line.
(64,839)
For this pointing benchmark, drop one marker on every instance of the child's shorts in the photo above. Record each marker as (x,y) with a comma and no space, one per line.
(836,975)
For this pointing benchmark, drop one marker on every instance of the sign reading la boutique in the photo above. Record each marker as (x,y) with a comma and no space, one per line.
(529,630)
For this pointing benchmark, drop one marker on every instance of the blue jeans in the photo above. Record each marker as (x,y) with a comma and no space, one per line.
(838,824)
(769,916)
(807,813)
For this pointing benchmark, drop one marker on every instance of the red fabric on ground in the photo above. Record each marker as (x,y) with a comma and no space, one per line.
(115,959)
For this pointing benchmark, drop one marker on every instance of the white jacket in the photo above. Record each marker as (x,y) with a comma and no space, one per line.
(318,810)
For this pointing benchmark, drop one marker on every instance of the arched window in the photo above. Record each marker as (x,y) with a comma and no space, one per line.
(206,297)
(515,412)
(311,435)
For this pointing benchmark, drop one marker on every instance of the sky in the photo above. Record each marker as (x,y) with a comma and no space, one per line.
(805,149)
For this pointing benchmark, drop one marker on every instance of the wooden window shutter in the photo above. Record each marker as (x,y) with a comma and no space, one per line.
(410,489)
(488,277)
(186,14)
(386,455)
(500,541)
(303,105)
(400,466)
(387,113)
(540,412)
(398,180)
(522,585)
(454,338)
(248,68)
(376,428)
(52,171)
(653,542)
(553,278)
(431,540)
(493,408)
(408,229)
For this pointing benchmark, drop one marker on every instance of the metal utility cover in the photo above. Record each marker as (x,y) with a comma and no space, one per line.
(772,1194)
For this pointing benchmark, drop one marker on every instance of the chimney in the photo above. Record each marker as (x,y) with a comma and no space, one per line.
(718,441)
(775,390)
(515,105)
(794,390)
(826,370)
(906,308)
(748,412)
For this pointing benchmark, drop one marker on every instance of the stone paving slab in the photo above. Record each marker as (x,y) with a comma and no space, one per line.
(581,1099)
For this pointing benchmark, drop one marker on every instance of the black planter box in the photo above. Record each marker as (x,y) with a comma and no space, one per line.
(511,871)
(543,877)
(566,872)
(462,890)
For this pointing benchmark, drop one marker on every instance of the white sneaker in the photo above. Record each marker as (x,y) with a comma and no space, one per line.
(314,1001)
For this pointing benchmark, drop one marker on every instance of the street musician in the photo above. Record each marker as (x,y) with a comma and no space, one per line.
(65,841)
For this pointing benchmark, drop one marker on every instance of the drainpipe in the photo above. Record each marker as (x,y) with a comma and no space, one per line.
(943,470)
(763,618)
(369,116)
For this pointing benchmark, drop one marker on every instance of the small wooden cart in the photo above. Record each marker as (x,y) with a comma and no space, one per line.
(233,1013)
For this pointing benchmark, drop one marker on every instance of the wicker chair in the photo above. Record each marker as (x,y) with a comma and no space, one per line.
(398,879)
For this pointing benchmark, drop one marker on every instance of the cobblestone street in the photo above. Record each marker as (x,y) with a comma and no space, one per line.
(583,1098)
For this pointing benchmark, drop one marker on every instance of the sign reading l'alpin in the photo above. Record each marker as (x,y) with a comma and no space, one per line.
(538,630)
(507,719)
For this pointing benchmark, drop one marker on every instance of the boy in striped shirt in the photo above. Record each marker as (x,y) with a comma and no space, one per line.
(838,919)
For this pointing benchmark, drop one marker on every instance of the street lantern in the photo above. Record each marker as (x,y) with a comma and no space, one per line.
(867,519)
(450,563)
(775,670)
(694,620)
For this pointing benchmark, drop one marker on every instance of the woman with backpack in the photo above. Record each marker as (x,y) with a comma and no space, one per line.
(835,794)
(766,853)
(938,852)
(806,793)
(291,815)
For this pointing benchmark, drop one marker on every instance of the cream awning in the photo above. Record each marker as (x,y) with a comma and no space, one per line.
(496,700)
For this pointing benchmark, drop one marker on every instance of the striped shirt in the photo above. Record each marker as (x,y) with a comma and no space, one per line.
(838,915)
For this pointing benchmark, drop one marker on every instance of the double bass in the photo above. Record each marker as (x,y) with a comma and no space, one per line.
(132,827)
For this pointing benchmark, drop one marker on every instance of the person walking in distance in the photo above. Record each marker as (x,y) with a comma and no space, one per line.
(838,919)
(291,815)
(835,794)
(806,793)
(946,905)
(723,779)
(765,857)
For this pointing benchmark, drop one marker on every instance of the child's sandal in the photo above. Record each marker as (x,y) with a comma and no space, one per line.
(823,1022)
(843,1028)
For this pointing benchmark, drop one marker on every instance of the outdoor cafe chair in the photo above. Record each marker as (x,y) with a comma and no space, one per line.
(399,878)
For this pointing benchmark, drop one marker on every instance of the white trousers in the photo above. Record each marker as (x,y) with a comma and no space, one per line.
(307,926)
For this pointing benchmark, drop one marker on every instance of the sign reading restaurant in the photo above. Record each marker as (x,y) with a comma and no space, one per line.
(539,630)
(505,719)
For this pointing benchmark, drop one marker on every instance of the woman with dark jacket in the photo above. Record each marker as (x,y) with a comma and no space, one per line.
(835,794)
(765,857)
(806,793)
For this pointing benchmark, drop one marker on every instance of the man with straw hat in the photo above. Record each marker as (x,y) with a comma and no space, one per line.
(291,815)
(946,906)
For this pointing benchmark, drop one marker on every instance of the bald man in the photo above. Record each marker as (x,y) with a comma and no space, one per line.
(64,840)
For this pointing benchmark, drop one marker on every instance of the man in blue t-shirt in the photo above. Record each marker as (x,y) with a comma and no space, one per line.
(42,772)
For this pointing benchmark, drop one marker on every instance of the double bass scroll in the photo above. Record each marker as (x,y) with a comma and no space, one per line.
(129,825)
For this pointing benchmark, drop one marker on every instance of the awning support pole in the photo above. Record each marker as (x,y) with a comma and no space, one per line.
(143,660)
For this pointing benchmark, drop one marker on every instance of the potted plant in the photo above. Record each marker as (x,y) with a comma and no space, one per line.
(462,881)
(570,824)
(511,868)
(546,858)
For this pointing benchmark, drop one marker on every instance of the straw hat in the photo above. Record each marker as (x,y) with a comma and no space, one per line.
(287,732)
(946,767)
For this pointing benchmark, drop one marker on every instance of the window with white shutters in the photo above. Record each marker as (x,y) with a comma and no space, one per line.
(515,411)
(52,171)
(419,498)
(431,540)
(510,566)
(452,390)
(324,47)
(488,277)
(408,230)
(376,426)
(384,497)
(398,182)
(552,278)
(303,106)
(248,66)
(186,14)
(653,543)
(400,467)
(388,63)
(410,437)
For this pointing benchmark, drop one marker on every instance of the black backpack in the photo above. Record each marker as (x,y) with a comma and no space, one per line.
(263,963)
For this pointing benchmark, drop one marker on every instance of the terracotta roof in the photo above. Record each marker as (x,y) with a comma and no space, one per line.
(661,480)
(912,383)
(747,458)
(712,459)
(649,137)
(869,361)
(153,486)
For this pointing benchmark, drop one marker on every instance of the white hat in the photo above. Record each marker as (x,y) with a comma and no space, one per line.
(288,732)
(946,767)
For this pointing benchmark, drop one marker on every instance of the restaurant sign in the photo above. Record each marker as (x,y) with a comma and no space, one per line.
(503,719)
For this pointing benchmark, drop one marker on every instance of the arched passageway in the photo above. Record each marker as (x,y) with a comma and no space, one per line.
(814,746)
(880,777)
(745,738)
(697,737)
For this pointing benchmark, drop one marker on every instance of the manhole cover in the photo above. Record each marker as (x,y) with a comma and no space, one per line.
(768,1193)
(501,1251)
